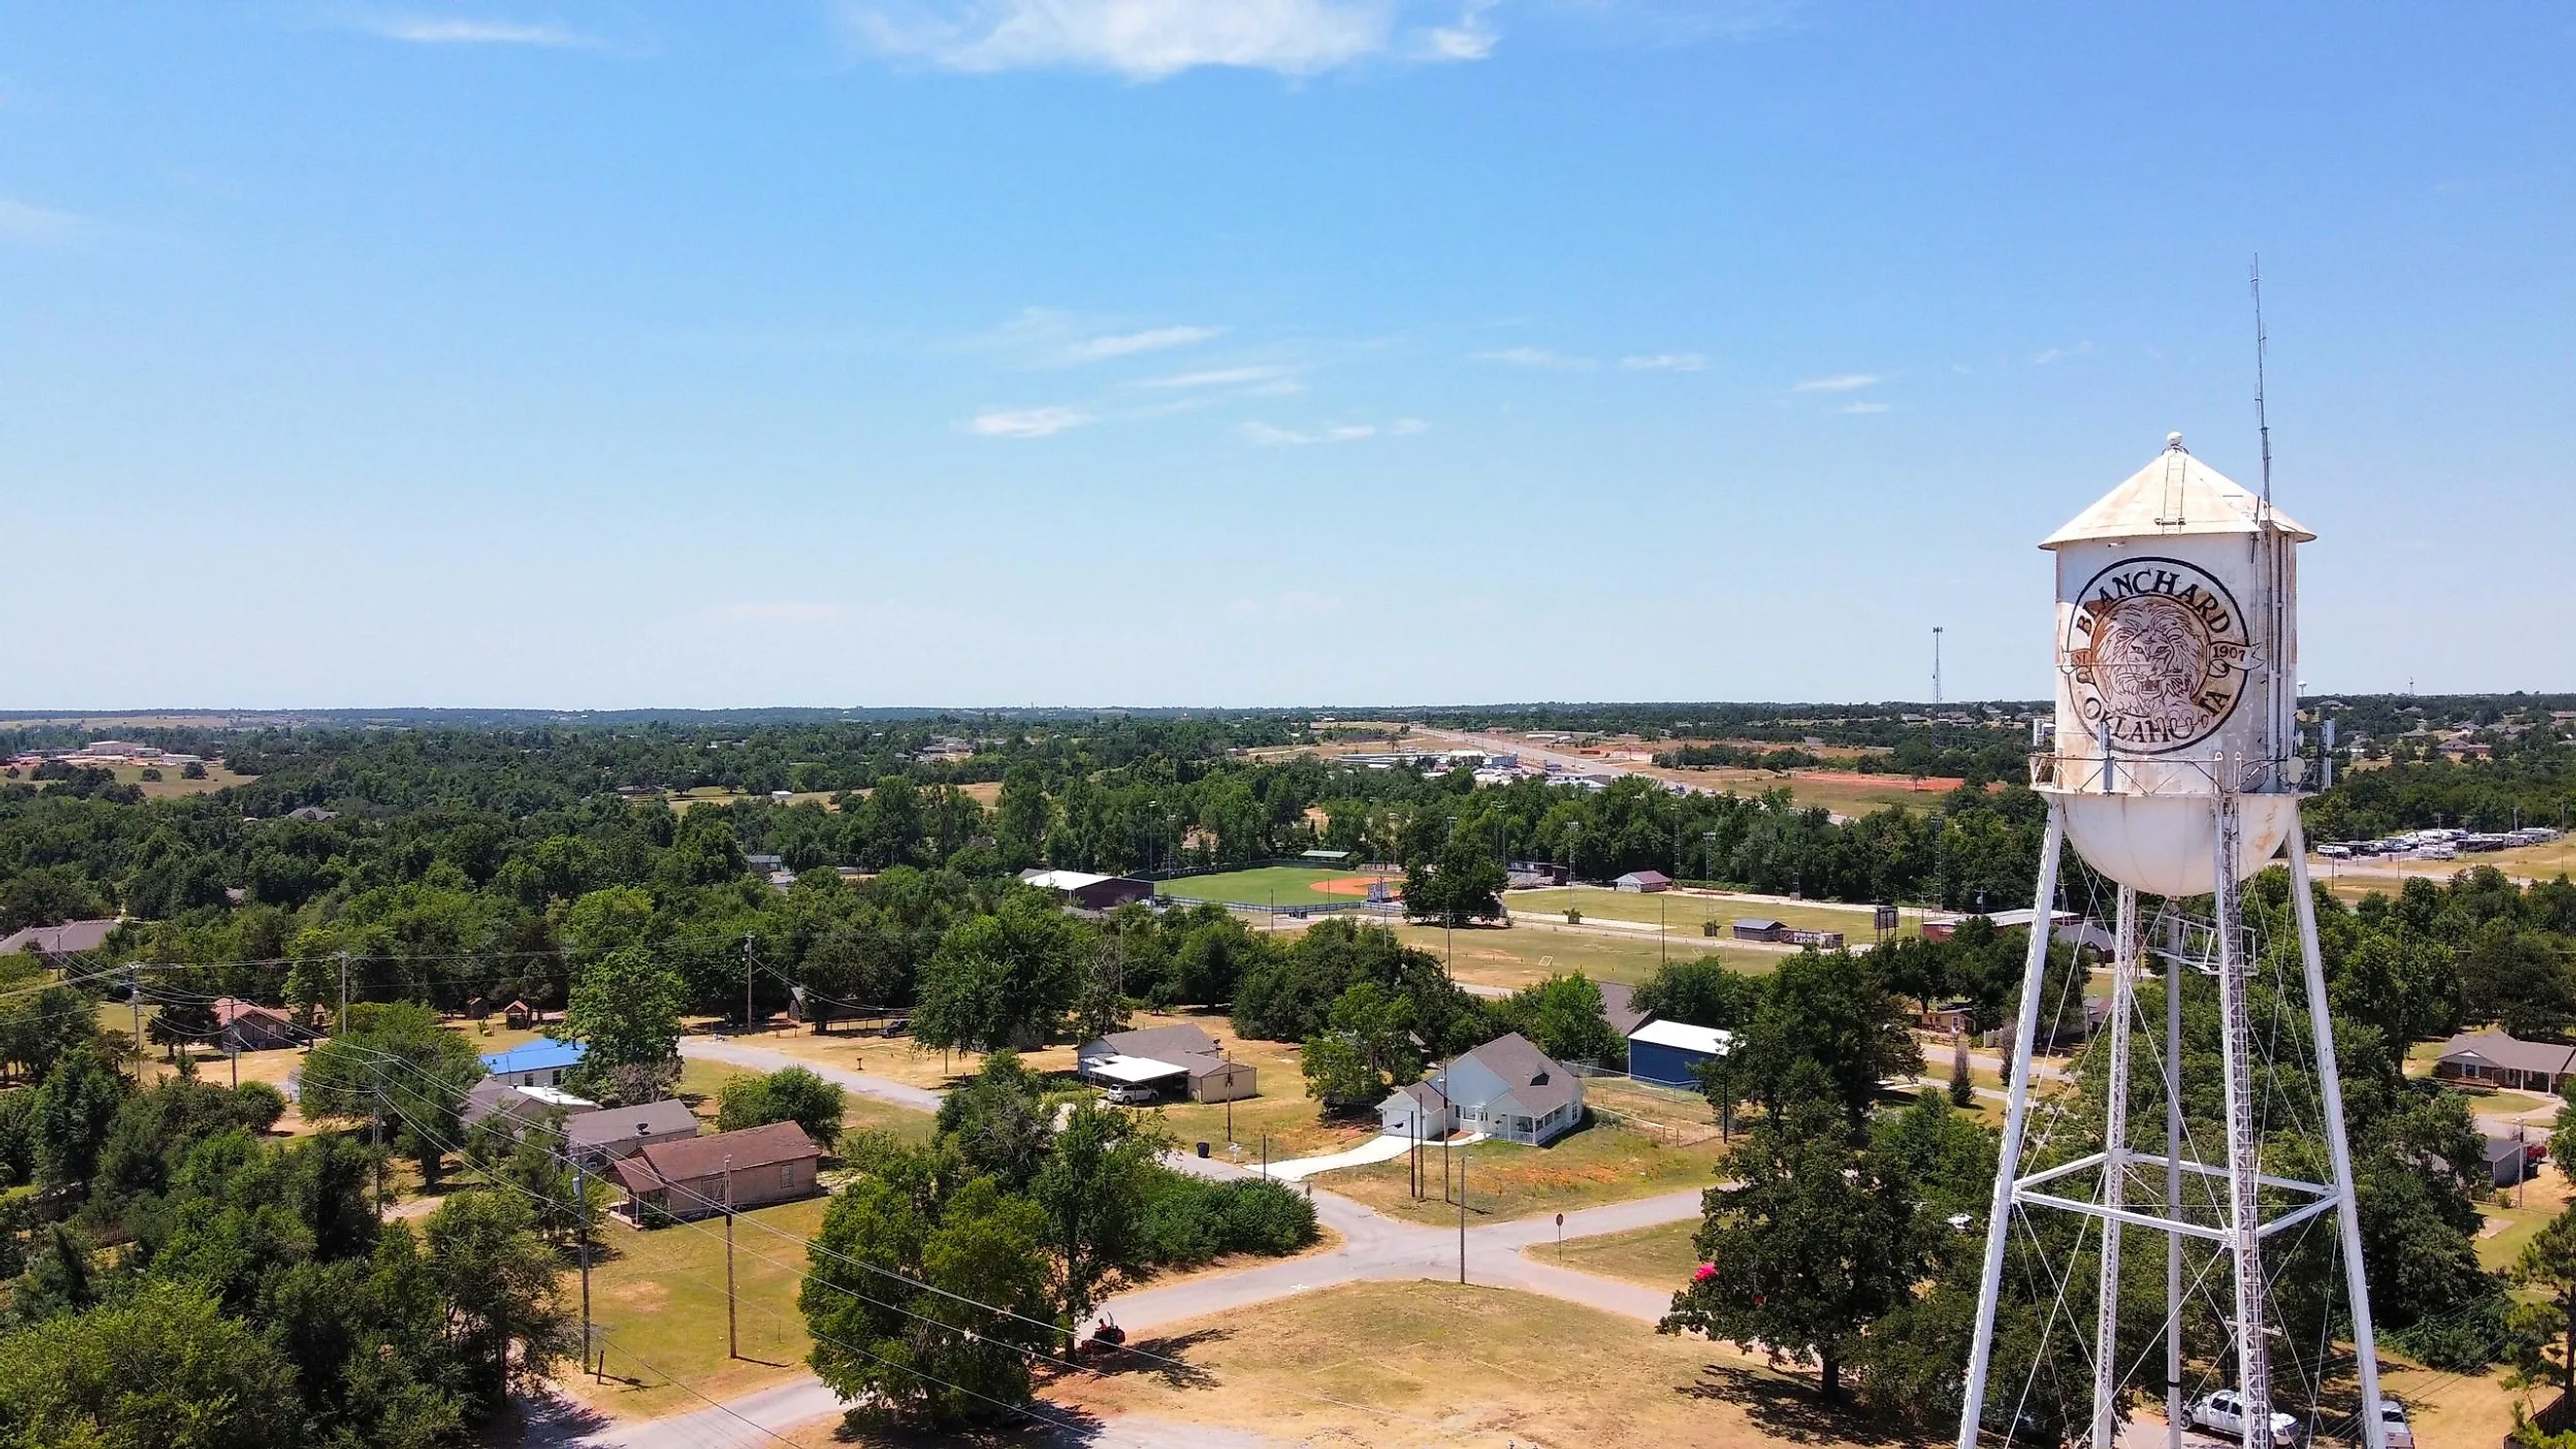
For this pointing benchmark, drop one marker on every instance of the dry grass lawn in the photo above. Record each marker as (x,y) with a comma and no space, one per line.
(1685,912)
(1430,1363)
(1533,949)
(1596,1164)
(660,1297)
(1657,1257)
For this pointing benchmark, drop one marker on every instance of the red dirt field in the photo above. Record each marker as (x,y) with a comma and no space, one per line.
(1354,886)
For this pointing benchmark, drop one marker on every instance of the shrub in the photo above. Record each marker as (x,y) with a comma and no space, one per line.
(1189,1221)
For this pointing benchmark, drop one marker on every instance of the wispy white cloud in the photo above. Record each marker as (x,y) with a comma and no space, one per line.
(1470,39)
(1863,407)
(1270,436)
(1219,377)
(1841,382)
(459,31)
(1666,362)
(2047,355)
(1536,357)
(1026,422)
(1405,427)
(1151,39)
(21,221)
(1128,344)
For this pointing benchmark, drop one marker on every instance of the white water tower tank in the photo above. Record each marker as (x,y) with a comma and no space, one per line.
(2177,652)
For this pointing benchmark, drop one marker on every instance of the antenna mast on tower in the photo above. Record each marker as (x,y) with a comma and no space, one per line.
(1936,664)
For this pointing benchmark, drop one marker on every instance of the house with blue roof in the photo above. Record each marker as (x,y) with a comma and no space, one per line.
(540,1063)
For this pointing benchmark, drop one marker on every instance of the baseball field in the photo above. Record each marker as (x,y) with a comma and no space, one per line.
(1281,885)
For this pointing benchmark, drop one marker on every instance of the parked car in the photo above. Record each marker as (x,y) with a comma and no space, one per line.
(2224,1413)
(2398,1434)
(1129,1095)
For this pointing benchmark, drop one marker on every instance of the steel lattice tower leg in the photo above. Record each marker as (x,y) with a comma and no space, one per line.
(2115,1172)
(1972,1401)
(2244,1148)
(2174,974)
(2339,1150)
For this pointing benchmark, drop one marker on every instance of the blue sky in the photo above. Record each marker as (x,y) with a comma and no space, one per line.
(1280,351)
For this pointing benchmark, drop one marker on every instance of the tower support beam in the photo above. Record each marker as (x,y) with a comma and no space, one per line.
(1972,1403)
(2374,1434)
(2115,1173)
(2244,1146)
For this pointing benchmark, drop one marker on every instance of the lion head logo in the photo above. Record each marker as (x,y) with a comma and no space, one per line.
(2156,650)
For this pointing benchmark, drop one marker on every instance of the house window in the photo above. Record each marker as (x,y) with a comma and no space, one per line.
(787,1176)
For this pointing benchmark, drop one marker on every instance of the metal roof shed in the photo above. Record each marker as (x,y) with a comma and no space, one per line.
(1668,1052)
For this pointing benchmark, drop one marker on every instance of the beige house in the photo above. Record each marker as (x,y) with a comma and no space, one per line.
(702,1176)
(1178,1057)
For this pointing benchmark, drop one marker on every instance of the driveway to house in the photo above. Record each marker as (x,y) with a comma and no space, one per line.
(1373,1248)
(1384,1147)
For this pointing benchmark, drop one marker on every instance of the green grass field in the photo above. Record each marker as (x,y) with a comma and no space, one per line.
(1285,885)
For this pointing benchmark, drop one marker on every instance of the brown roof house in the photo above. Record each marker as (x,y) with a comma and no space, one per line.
(1506,1089)
(245,1026)
(613,1132)
(2493,1059)
(701,1176)
(68,939)
(1179,1055)
(1619,1008)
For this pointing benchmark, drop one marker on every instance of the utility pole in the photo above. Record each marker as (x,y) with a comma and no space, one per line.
(343,1023)
(1229,1103)
(134,998)
(1462,1216)
(581,1225)
(733,1338)
(746,1005)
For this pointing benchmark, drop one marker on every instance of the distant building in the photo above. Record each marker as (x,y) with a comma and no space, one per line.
(702,1176)
(1645,882)
(540,1063)
(613,1132)
(1668,1053)
(1086,891)
(1757,928)
(1507,1089)
(2510,1162)
(524,1106)
(2002,920)
(1167,1057)
(1618,1007)
(71,938)
(2494,1060)
(242,1026)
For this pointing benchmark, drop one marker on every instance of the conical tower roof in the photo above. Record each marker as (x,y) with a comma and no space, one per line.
(2175,494)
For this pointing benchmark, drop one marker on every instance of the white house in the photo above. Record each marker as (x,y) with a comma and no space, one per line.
(1506,1089)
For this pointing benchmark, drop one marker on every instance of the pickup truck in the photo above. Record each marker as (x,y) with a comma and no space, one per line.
(2224,1413)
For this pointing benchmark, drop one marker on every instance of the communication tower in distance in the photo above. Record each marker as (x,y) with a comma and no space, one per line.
(2174,772)
(1936,664)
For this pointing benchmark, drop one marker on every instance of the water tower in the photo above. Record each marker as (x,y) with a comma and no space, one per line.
(2175,773)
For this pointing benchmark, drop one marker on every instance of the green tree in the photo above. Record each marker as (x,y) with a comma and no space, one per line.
(394,1063)
(1461,883)
(1562,1017)
(1807,1250)
(790,1094)
(625,1008)
(999,980)
(998,1122)
(1094,1187)
(1021,816)
(165,1370)
(2546,1322)
(953,1353)
(73,1111)
(501,1285)
(1827,1010)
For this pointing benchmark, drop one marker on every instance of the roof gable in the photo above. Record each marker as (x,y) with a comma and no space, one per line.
(744,1150)
(2174,495)
(609,1124)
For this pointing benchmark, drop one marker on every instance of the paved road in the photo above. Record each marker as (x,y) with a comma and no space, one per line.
(1374,1248)
(762,1059)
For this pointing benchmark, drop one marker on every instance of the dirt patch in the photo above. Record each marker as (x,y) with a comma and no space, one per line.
(1354,886)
